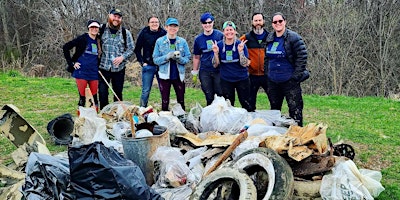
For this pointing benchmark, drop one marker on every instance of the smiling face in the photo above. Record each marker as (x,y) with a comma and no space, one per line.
(93,30)
(154,24)
(279,24)
(229,33)
(258,22)
(208,25)
(114,20)
(172,29)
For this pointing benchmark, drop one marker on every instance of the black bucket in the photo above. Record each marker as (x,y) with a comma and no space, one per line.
(60,129)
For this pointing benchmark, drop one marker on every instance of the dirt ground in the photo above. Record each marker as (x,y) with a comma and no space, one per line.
(133,74)
(374,162)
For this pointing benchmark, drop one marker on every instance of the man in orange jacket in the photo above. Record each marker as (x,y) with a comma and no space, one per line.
(256,47)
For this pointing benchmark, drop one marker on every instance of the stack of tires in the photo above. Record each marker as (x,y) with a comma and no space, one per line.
(259,173)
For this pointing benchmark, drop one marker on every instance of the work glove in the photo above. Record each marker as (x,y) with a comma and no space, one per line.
(170,55)
(177,55)
(195,74)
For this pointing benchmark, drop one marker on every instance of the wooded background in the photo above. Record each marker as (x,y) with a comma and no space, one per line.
(353,46)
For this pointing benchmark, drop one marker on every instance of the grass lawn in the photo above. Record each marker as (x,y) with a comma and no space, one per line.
(370,124)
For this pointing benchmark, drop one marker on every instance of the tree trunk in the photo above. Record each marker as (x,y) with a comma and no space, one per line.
(7,40)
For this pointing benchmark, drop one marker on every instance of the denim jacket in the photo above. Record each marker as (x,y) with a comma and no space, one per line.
(160,56)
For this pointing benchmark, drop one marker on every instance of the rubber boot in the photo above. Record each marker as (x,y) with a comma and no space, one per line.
(96,102)
(81,102)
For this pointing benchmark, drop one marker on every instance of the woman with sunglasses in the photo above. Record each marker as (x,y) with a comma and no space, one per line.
(202,66)
(231,55)
(285,61)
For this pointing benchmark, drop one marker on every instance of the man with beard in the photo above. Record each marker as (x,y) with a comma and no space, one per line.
(202,66)
(256,47)
(116,50)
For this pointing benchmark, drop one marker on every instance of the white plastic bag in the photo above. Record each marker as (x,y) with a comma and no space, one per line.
(173,124)
(194,117)
(221,116)
(346,182)
(120,129)
(89,127)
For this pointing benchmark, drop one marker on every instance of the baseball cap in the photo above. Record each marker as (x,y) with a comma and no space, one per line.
(228,23)
(116,12)
(205,16)
(92,23)
(172,21)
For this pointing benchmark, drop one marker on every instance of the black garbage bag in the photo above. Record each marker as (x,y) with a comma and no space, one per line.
(47,177)
(98,172)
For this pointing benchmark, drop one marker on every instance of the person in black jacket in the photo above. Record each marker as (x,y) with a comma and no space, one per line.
(84,64)
(285,61)
(144,53)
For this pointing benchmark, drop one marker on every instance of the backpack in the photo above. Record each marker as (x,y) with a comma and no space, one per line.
(103,27)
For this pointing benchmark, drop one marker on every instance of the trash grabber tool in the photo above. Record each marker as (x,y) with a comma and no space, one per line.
(122,104)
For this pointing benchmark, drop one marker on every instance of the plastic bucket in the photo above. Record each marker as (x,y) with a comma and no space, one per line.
(140,150)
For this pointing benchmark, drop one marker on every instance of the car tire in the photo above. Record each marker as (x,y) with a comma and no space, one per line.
(271,174)
(241,187)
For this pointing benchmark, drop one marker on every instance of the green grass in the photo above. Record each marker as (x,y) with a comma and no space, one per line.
(370,124)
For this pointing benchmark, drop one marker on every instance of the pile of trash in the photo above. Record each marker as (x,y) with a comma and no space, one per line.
(219,151)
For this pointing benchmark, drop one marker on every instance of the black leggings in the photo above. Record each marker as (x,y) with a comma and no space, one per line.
(290,90)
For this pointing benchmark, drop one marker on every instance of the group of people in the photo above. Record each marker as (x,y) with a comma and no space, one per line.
(100,58)
(223,63)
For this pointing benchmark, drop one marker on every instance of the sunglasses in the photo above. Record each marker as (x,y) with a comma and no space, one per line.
(279,21)
(210,22)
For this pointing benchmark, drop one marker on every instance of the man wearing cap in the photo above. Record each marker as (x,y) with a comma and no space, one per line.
(256,46)
(115,54)
(202,66)
(84,63)
(171,54)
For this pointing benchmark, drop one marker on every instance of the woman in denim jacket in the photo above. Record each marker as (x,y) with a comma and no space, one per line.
(171,53)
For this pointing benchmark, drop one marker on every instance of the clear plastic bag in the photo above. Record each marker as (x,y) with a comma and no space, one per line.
(221,116)
(173,124)
(173,171)
(194,117)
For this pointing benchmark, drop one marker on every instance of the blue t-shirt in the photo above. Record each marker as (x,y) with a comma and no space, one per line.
(279,68)
(89,62)
(230,68)
(174,73)
(203,46)
(261,37)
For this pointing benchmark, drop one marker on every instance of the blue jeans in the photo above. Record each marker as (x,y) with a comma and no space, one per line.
(210,84)
(148,73)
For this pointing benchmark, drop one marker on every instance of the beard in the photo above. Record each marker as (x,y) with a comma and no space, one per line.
(258,29)
(110,22)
